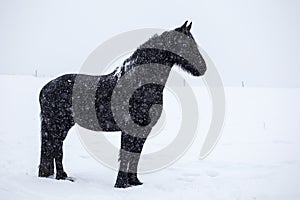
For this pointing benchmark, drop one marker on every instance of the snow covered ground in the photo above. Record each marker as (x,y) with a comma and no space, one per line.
(257,157)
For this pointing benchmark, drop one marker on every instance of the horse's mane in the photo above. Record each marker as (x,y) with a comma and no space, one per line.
(129,63)
(155,48)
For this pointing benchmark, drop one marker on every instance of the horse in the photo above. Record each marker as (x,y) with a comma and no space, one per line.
(87,100)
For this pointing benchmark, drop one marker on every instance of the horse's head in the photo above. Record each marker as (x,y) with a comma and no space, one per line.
(185,46)
(179,48)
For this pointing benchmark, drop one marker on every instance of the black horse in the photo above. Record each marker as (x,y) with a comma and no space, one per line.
(88,101)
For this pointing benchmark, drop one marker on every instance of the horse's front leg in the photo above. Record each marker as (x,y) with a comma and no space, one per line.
(134,161)
(124,158)
(131,148)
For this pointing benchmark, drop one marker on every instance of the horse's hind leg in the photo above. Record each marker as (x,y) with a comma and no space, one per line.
(46,167)
(62,130)
(58,155)
(54,132)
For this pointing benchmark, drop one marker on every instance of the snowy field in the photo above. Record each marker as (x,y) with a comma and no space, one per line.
(257,157)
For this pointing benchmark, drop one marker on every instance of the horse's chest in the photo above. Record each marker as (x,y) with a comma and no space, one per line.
(141,102)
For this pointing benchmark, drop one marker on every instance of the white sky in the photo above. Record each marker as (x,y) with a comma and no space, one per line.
(252,41)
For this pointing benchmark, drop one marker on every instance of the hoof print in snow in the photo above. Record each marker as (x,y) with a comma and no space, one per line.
(72,179)
(212,173)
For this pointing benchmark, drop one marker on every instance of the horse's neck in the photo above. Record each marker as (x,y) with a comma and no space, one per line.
(159,59)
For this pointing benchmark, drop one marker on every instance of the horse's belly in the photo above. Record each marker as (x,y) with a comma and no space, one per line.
(96,121)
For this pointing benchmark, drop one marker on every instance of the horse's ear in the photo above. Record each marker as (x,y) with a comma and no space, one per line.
(189,26)
(184,25)
(182,28)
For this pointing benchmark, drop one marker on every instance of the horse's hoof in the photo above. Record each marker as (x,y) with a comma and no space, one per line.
(122,184)
(45,173)
(133,179)
(61,176)
(135,182)
(46,176)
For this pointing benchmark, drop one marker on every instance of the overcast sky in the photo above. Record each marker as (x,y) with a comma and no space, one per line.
(252,41)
